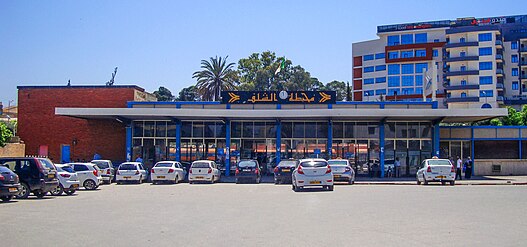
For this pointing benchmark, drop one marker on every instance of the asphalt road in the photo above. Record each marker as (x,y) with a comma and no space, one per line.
(269,215)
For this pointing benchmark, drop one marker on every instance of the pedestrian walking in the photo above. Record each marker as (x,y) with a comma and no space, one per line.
(397,165)
(458,168)
(468,170)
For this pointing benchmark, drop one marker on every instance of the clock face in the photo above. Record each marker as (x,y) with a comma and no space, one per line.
(283,95)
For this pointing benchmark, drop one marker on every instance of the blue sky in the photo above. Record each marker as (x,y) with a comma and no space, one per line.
(161,43)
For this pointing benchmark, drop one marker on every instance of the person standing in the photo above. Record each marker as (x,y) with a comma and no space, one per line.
(458,168)
(97,156)
(397,165)
(468,171)
(139,159)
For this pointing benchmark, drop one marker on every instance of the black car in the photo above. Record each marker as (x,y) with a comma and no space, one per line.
(284,170)
(37,175)
(248,170)
(9,184)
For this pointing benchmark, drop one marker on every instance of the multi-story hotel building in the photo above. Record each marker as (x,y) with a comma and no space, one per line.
(467,62)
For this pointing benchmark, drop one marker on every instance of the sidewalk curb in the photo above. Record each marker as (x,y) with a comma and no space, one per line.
(457,184)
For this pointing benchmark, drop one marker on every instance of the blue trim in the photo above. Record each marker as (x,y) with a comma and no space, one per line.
(128,143)
(381,146)
(228,106)
(484,127)
(520,144)
(178,140)
(330,106)
(278,106)
(228,147)
(472,152)
(330,139)
(436,139)
(483,139)
(434,105)
(278,141)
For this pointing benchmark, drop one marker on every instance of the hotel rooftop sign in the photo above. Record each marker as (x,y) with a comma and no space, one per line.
(275,97)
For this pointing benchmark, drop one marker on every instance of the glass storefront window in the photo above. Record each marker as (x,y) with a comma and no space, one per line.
(236,129)
(426,130)
(310,130)
(259,130)
(138,128)
(171,129)
(287,130)
(298,130)
(149,128)
(322,130)
(496,149)
(401,130)
(338,130)
(198,129)
(209,129)
(413,130)
(186,129)
(161,129)
(349,130)
(248,130)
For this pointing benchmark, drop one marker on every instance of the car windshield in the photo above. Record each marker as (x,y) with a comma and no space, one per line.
(338,162)
(314,164)
(101,164)
(47,163)
(165,164)
(4,169)
(439,163)
(127,167)
(200,165)
(67,169)
(247,163)
(287,163)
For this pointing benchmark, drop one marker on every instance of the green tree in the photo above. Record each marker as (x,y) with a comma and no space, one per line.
(188,94)
(214,77)
(339,87)
(5,134)
(514,118)
(163,94)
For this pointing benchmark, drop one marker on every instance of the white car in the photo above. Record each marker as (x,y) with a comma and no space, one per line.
(88,173)
(106,169)
(342,170)
(131,171)
(436,170)
(312,172)
(167,171)
(68,180)
(203,170)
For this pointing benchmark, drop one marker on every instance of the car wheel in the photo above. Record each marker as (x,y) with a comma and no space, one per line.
(58,190)
(212,180)
(237,181)
(424,180)
(176,180)
(108,181)
(293,187)
(296,188)
(69,192)
(40,194)
(140,180)
(351,181)
(418,182)
(330,187)
(443,182)
(89,184)
(7,198)
(24,192)
(452,183)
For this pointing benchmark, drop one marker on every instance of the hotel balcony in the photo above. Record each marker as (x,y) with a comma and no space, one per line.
(462,73)
(523,78)
(523,63)
(515,101)
(499,72)
(499,44)
(500,86)
(463,87)
(462,100)
(461,59)
(499,58)
(461,44)
(500,99)
(523,50)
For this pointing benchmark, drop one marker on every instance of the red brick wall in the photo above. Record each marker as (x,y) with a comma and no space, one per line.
(38,124)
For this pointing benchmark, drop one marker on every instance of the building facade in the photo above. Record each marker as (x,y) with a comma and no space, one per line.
(464,63)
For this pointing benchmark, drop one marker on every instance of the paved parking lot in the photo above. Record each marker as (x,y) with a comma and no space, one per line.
(269,215)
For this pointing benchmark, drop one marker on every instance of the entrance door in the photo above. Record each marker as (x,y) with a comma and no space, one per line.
(65,154)
(261,150)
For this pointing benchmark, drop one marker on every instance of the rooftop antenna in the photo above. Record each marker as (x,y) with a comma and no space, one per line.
(111,82)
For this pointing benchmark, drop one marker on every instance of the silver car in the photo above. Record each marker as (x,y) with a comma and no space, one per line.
(342,170)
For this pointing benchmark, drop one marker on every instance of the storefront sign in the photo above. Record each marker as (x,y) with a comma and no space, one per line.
(274,97)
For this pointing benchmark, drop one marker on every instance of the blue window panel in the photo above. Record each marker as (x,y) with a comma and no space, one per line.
(514,45)
(407,54)
(463,68)
(380,92)
(421,38)
(514,59)
(407,39)
(380,80)
(420,53)
(380,55)
(436,40)
(419,90)
(420,66)
(407,80)
(393,40)
(435,53)
(368,69)
(368,93)
(485,51)
(485,80)
(407,91)
(407,68)
(394,81)
(463,82)
(393,54)
(419,80)
(514,72)
(463,95)
(394,69)
(486,93)
(380,67)
(368,57)
(462,40)
(394,91)
(369,81)
(485,65)
(485,37)
(515,85)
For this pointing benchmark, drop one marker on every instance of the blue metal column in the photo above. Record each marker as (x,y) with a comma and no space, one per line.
(128,142)
(228,147)
(381,146)
(278,141)
(436,139)
(472,149)
(178,140)
(520,140)
(330,139)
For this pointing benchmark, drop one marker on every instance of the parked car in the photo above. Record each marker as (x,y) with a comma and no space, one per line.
(248,170)
(88,174)
(284,170)
(312,172)
(342,170)
(167,171)
(131,171)
(9,184)
(68,180)
(203,170)
(436,170)
(36,175)
(107,170)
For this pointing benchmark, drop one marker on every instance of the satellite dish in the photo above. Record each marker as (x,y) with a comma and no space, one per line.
(486,106)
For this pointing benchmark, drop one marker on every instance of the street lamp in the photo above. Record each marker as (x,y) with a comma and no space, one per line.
(367,94)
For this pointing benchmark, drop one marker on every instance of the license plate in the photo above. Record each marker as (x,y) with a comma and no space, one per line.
(440,176)
(315,182)
(51,176)
(337,176)
(286,170)
(199,177)
(160,176)
(74,185)
(246,170)
(13,189)
(127,177)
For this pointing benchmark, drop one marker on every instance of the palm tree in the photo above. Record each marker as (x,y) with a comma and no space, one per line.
(216,76)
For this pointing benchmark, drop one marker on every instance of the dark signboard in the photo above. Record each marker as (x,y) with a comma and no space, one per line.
(275,97)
